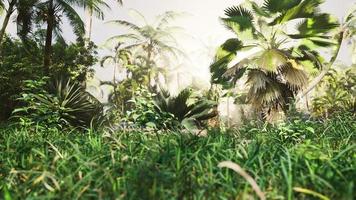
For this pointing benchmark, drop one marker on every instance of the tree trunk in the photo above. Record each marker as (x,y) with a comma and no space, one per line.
(49,35)
(228,111)
(148,63)
(89,24)
(9,12)
(326,69)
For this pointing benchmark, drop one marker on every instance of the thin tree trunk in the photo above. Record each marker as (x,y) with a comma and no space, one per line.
(228,111)
(89,24)
(9,12)
(116,95)
(148,64)
(49,36)
(326,69)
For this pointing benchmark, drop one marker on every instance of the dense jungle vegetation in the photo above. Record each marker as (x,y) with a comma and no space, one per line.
(295,137)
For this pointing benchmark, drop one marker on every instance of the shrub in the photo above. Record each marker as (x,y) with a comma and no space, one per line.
(190,111)
(58,104)
(338,94)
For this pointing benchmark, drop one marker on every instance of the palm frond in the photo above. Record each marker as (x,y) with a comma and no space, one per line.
(305,9)
(240,21)
(96,7)
(232,45)
(126,24)
(202,110)
(279,6)
(258,10)
(166,18)
(74,19)
(124,38)
(350,14)
(309,55)
(257,80)
(316,27)
(294,75)
(271,59)
(236,69)
(25,17)
(238,11)
(188,114)
(268,97)
(218,69)
(76,106)
(138,16)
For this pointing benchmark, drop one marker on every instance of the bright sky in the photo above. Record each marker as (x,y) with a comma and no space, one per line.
(201,24)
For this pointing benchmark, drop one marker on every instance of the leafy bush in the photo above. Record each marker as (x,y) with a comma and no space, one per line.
(59,104)
(21,61)
(161,110)
(338,94)
(144,113)
(17,64)
(189,111)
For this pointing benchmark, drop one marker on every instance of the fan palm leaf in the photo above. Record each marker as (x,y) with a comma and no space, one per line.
(279,6)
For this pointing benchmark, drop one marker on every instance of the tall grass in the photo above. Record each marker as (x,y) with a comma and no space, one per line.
(297,160)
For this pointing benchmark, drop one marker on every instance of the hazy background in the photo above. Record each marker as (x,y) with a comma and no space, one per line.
(203,31)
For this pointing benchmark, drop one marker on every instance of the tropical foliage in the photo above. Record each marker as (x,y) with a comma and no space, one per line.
(278,67)
(337,93)
(155,42)
(190,111)
(19,64)
(63,104)
(131,138)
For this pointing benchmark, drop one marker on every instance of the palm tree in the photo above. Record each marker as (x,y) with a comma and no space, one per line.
(94,7)
(155,41)
(21,6)
(51,12)
(53,9)
(122,58)
(277,69)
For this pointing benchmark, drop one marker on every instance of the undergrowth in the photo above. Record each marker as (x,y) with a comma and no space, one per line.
(317,157)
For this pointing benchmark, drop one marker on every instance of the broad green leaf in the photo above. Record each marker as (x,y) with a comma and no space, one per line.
(240,21)
(306,9)
(271,59)
(189,124)
(319,24)
(277,6)
(231,46)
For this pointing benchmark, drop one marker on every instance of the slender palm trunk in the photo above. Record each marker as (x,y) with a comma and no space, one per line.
(114,76)
(326,69)
(228,110)
(148,62)
(49,36)
(9,12)
(89,24)
(116,94)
